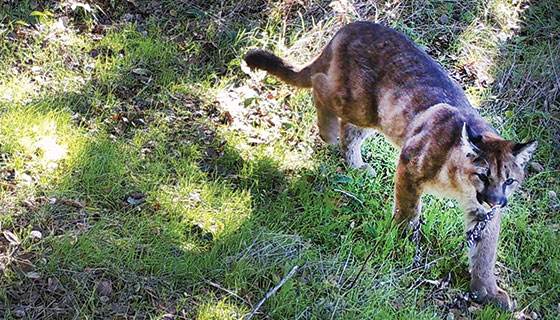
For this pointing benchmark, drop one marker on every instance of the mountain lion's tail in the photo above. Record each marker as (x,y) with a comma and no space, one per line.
(276,66)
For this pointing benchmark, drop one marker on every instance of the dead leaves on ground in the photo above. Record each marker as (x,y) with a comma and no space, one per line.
(112,295)
(13,258)
(129,117)
(21,248)
(261,114)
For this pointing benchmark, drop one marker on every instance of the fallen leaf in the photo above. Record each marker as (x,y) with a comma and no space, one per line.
(33,275)
(133,201)
(23,264)
(227,118)
(211,153)
(104,288)
(140,71)
(71,203)
(18,312)
(35,235)
(30,205)
(533,289)
(136,198)
(137,195)
(433,282)
(12,238)
(139,122)
(52,284)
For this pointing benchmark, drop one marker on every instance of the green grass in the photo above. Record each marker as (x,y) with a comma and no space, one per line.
(133,141)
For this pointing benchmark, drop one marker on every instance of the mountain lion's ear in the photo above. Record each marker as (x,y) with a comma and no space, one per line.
(523,152)
(470,141)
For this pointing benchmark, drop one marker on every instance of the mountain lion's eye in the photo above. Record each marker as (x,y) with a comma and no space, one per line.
(482,177)
(509,181)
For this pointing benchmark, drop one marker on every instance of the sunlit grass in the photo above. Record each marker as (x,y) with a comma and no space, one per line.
(222,310)
(39,141)
(211,206)
(38,69)
(479,45)
(17,89)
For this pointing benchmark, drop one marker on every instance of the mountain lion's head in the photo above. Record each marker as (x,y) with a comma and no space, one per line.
(494,168)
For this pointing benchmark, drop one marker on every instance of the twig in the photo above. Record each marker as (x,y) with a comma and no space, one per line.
(557,78)
(271,292)
(540,296)
(362,268)
(348,194)
(344,268)
(215,285)
(335,308)
(302,313)
(425,266)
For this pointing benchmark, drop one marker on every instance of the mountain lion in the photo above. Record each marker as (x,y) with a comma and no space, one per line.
(373,77)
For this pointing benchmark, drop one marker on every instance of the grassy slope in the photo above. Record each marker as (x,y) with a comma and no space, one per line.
(162,178)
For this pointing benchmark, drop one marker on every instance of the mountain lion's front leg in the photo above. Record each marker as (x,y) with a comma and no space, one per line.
(482,256)
(407,196)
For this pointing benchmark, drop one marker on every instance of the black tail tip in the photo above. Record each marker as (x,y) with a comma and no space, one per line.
(261,59)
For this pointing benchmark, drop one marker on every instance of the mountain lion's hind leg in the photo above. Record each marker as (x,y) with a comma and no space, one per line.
(351,139)
(326,119)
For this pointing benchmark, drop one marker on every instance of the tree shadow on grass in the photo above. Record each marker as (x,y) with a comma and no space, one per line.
(153,211)
(151,202)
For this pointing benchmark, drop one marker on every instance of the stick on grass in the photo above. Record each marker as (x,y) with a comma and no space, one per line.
(215,285)
(271,292)
(348,194)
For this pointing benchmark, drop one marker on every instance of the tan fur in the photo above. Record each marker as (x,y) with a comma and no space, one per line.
(372,77)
